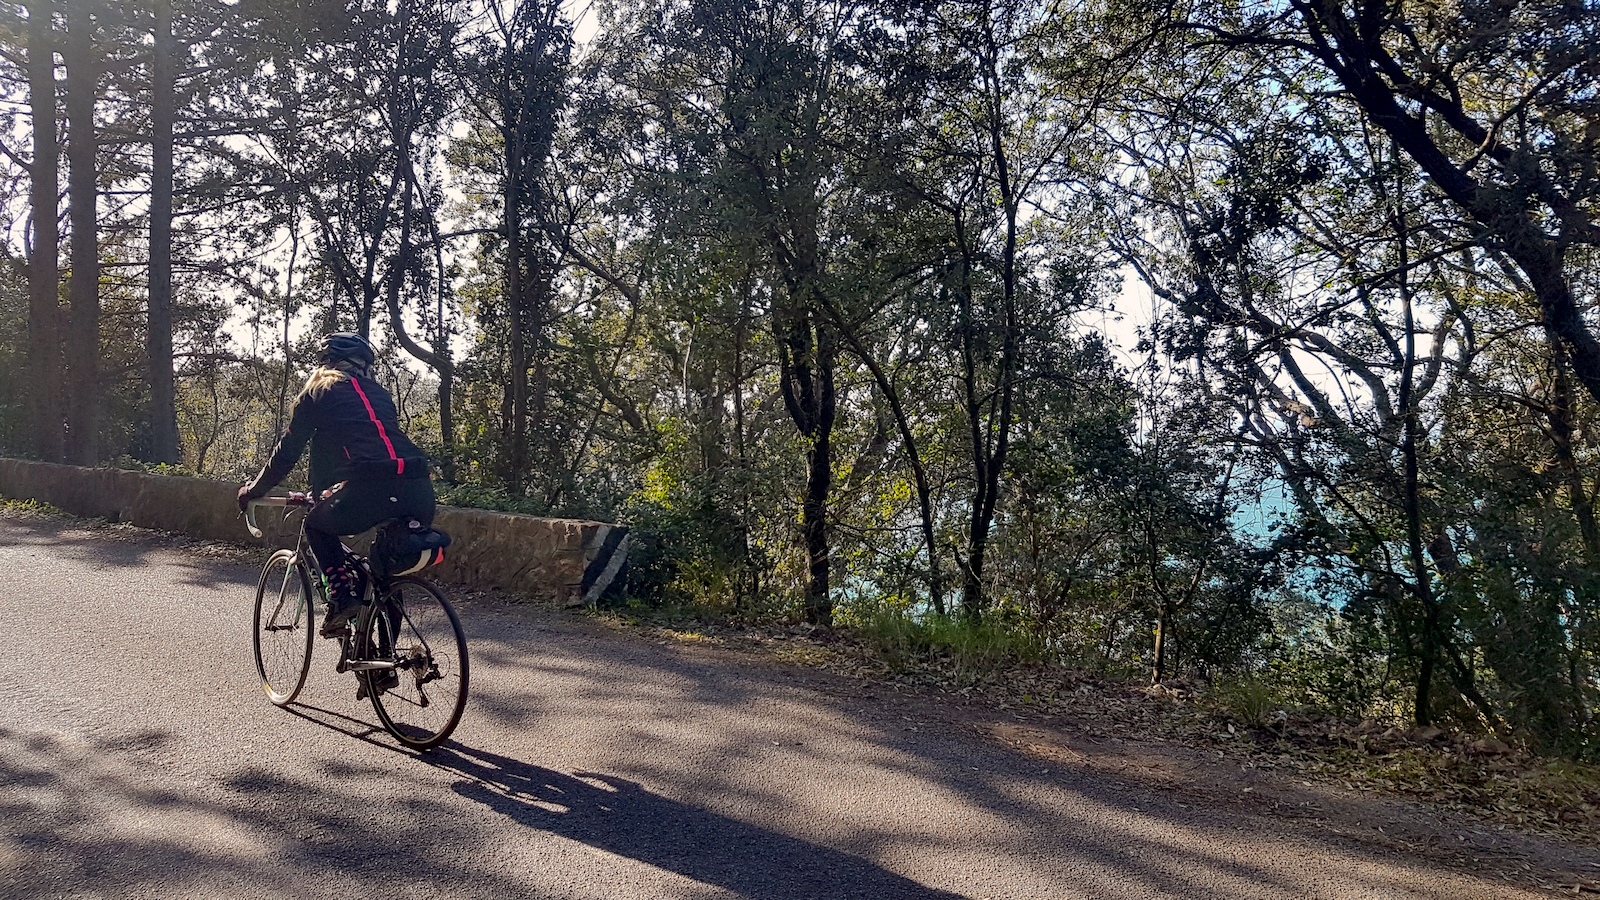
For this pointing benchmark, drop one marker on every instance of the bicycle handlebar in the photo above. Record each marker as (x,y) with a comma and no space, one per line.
(295,499)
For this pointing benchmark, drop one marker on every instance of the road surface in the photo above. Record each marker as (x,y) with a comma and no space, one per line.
(139,758)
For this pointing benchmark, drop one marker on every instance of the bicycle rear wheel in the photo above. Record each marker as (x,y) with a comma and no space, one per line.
(283,634)
(416,626)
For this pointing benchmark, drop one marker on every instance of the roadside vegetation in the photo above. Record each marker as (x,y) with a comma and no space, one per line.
(29,509)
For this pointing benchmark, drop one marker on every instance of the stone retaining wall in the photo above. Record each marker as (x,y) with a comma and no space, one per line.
(561,560)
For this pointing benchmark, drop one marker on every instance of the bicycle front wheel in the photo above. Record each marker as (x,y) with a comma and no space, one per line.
(416,626)
(283,634)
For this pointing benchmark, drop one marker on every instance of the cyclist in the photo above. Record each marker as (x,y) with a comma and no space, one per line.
(364,469)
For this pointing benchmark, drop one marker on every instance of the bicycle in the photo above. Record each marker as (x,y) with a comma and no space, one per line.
(405,645)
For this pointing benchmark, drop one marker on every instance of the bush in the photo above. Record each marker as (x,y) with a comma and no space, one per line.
(1251,700)
(681,554)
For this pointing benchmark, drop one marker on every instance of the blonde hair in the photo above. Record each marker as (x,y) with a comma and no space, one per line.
(322,378)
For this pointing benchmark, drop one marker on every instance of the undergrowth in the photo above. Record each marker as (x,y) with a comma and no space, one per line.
(1253,701)
(29,509)
(971,651)
(130,464)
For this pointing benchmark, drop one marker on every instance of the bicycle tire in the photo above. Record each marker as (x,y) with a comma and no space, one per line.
(430,652)
(288,620)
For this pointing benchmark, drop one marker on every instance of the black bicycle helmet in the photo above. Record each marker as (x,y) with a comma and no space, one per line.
(344,345)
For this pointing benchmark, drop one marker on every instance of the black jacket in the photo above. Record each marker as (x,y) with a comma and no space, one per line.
(354,434)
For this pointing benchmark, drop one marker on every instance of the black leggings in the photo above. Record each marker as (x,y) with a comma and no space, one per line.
(361,505)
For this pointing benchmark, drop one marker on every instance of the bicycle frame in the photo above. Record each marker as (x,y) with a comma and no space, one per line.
(299,500)
(303,555)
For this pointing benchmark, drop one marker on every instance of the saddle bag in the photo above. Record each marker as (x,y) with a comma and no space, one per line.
(406,546)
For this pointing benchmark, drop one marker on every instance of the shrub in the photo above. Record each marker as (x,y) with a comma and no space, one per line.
(1251,700)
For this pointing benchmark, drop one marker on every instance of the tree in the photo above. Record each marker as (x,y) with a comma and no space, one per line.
(44,271)
(1488,100)
(516,82)
(163,114)
(83,64)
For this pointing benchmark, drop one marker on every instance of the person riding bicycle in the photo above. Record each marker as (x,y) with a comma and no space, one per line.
(364,468)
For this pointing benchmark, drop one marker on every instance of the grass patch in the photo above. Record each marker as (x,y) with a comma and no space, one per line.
(1251,701)
(689,637)
(968,652)
(30,509)
(130,464)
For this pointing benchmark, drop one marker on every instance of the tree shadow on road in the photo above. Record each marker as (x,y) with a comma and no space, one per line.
(86,818)
(621,817)
(1096,819)
(101,546)
(730,733)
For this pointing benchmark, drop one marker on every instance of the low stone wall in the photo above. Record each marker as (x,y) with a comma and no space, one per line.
(561,560)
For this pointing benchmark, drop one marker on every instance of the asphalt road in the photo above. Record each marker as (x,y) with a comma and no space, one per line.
(139,758)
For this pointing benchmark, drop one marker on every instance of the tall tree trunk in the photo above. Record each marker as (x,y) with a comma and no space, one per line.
(516,310)
(814,521)
(444,365)
(287,345)
(1158,671)
(992,434)
(83,353)
(819,484)
(908,442)
(1421,575)
(1559,415)
(447,426)
(807,356)
(158,342)
(369,302)
(537,303)
(44,268)
(989,412)
(749,581)
(437,359)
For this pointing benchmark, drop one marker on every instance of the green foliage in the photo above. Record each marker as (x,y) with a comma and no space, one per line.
(686,547)
(906,640)
(1253,701)
(30,509)
(15,439)
(1330,660)
(476,495)
(130,464)
(681,554)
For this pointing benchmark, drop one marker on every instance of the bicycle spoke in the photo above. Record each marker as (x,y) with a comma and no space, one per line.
(281,642)
(430,655)
(289,575)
